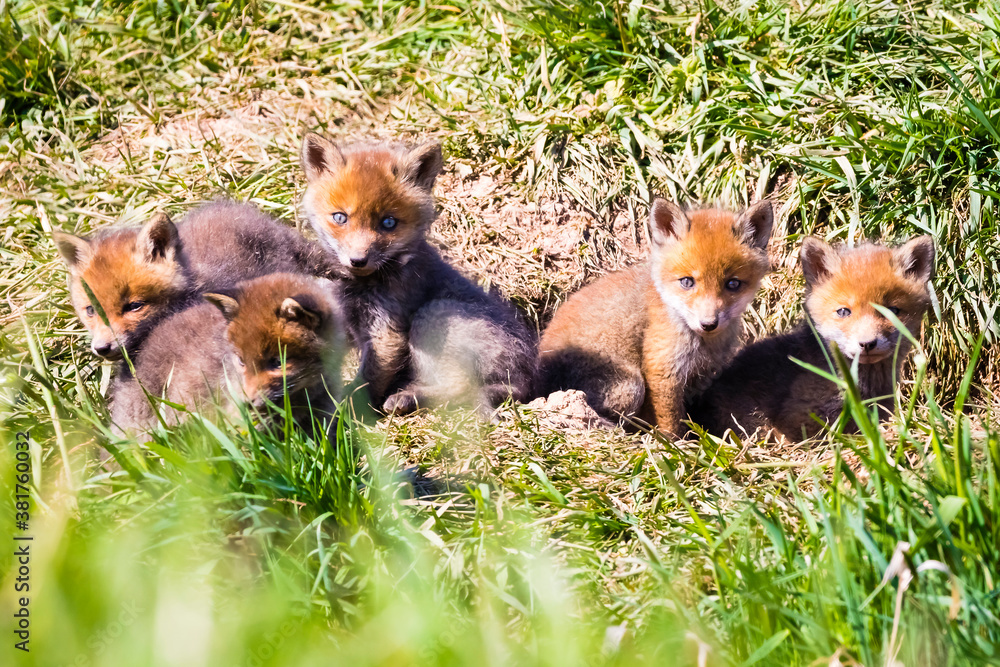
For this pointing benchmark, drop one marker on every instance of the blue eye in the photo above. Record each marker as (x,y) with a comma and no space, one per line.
(340,218)
(734,284)
(894,310)
(133,306)
(687,282)
(843,312)
(90,311)
(388,222)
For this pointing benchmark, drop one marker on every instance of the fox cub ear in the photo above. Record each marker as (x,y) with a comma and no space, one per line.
(422,165)
(755,224)
(75,250)
(818,259)
(320,156)
(302,311)
(916,258)
(229,306)
(158,238)
(666,220)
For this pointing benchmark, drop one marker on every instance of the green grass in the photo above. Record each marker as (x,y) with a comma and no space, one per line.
(527,545)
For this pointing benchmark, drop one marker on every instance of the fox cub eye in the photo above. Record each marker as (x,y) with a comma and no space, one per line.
(90,311)
(133,306)
(894,310)
(340,218)
(272,364)
(239,361)
(843,312)
(734,284)
(388,222)
(687,282)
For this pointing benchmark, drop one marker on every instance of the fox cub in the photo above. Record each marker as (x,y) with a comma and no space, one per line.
(139,275)
(765,389)
(641,341)
(281,332)
(427,335)
(287,336)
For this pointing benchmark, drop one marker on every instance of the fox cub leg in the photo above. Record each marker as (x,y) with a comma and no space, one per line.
(384,356)
(664,405)
(460,354)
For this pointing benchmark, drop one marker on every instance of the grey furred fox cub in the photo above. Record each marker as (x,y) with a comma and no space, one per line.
(427,334)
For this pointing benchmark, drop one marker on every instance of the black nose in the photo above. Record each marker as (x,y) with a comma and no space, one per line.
(710,325)
(868,346)
(103,349)
(359,262)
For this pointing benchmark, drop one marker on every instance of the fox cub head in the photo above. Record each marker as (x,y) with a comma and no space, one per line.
(287,334)
(708,264)
(842,284)
(134,275)
(370,204)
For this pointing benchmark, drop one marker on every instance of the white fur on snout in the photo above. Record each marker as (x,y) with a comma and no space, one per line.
(850,344)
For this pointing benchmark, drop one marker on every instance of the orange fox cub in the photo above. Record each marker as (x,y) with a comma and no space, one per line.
(287,335)
(765,389)
(427,335)
(139,275)
(642,341)
(281,332)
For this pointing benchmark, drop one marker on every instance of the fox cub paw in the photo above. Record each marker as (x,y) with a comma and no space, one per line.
(402,402)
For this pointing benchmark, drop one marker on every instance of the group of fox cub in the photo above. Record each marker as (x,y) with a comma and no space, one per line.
(230,294)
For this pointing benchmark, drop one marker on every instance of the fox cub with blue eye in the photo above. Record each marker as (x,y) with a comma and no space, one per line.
(765,389)
(643,341)
(427,334)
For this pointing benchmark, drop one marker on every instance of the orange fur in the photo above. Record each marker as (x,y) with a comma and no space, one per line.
(287,334)
(366,189)
(764,389)
(642,341)
(136,275)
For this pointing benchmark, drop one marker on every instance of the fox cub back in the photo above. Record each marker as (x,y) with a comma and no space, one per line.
(186,361)
(640,341)
(287,336)
(138,275)
(765,389)
(426,333)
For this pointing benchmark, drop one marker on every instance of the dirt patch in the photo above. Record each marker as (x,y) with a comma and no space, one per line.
(567,410)
(535,251)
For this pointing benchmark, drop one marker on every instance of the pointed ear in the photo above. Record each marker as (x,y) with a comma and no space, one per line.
(229,306)
(75,250)
(293,310)
(320,156)
(818,260)
(755,224)
(422,165)
(916,258)
(158,238)
(666,221)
